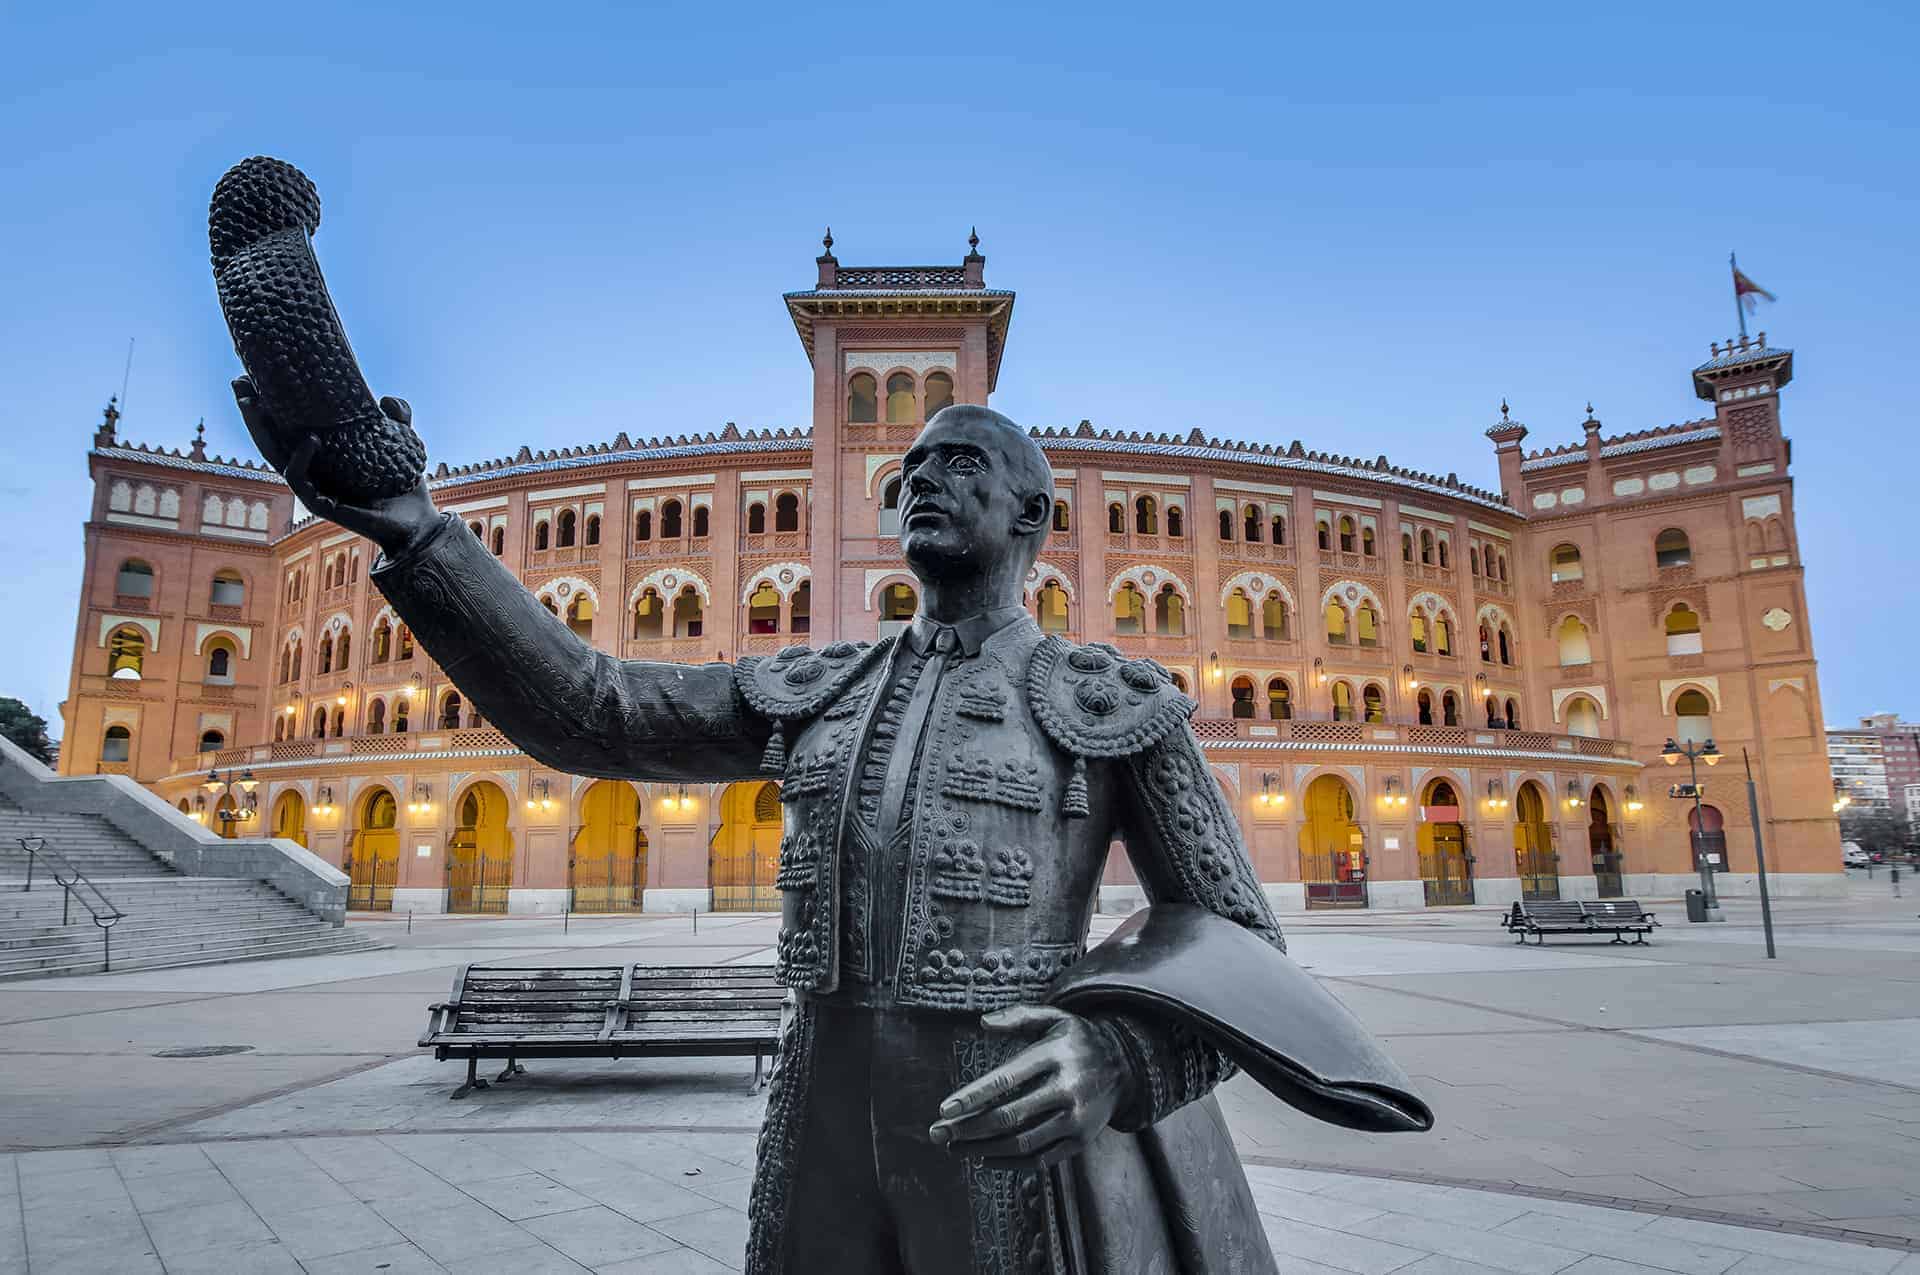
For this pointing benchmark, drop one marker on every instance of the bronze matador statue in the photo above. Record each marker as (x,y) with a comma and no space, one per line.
(964,1088)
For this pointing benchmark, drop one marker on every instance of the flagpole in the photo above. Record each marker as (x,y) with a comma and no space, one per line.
(1738,309)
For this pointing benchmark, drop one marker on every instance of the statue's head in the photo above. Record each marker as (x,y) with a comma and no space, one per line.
(976,493)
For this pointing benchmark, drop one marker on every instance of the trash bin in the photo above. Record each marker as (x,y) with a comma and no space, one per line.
(1696,905)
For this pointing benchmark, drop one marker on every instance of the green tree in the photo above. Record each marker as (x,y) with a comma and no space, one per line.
(1873,829)
(26,728)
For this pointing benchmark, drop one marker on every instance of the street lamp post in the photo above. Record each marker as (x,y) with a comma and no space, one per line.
(1695,754)
(224,785)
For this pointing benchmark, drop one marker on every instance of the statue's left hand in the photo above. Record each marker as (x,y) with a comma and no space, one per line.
(1043,1104)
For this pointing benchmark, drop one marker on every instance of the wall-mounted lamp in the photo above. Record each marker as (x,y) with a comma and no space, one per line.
(542,795)
(1413,682)
(1271,795)
(1496,795)
(1574,799)
(670,802)
(1319,671)
(341,698)
(324,806)
(1634,804)
(422,803)
(1213,666)
(1393,795)
(1480,683)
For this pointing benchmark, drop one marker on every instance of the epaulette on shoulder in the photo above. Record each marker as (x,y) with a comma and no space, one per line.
(797,684)
(1093,701)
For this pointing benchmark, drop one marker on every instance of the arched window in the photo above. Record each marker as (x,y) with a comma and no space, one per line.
(353,567)
(1426,547)
(403,652)
(1375,701)
(1513,714)
(343,654)
(649,615)
(689,617)
(1146,516)
(863,399)
(1179,681)
(1240,618)
(229,590)
(212,741)
(1279,528)
(1279,700)
(1502,563)
(1583,717)
(1324,533)
(540,535)
(1671,548)
(1062,516)
(1406,546)
(900,399)
(1250,524)
(1274,620)
(1486,643)
(763,609)
(1493,711)
(1346,534)
(1367,545)
(1176,525)
(1473,559)
(319,721)
(376,716)
(1050,604)
(702,522)
(756,519)
(134,579)
(118,744)
(1441,549)
(890,507)
(1242,696)
(786,512)
(1442,634)
(593,527)
(1367,625)
(1336,623)
(939,392)
(580,617)
(1226,525)
(499,542)
(800,608)
(1425,707)
(402,710)
(898,603)
(1566,563)
(1506,645)
(450,711)
(325,651)
(1449,709)
(220,664)
(479,532)
(643,525)
(1417,630)
(279,727)
(1129,610)
(1576,647)
(1342,702)
(671,515)
(1683,631)
(1116,520)
(382,642)
(1169,613)
(547,601)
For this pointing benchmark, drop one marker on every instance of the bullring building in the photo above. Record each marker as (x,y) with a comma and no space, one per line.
(1414,692)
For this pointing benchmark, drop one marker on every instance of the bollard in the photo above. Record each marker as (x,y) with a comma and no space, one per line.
(409,920)
(696,920)
(566,919)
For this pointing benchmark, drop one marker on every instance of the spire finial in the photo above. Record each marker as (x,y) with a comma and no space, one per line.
(826,241)
(1503,407)
(199,449)
(973,238)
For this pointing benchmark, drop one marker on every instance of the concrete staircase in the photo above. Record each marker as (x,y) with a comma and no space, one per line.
(169,920)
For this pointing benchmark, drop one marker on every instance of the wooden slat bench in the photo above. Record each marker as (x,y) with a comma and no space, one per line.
(1619,917)
(605,1011)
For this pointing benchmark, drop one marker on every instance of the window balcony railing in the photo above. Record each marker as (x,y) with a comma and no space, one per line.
(1343,560)
(1255,551)
(1429,573)
(1319,729)
(1493,588)
(685,650)
(133,603)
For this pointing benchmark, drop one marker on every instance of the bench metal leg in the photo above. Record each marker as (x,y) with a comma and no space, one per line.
(473,1079)
(508,1072)
(758,1072)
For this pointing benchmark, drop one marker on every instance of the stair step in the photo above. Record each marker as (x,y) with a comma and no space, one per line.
(324,947)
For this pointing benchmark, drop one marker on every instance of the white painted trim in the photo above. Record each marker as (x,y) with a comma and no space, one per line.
(143,520)
(1121,476)
(1039,573)
(1484,529)
(426,902)
(145,623)
(1341,498)
(242,637)
(777,476)
(1255,594)
(877,463)
(234,533)
(682,577)
(475,506)
(657,899)
(771,574)
(656,484)
(578,586)
(567,493)
(1259,489)
(1162,576)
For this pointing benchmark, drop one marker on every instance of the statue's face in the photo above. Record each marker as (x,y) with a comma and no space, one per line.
(960,505)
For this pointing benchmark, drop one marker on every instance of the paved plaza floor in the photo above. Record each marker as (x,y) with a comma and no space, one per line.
(1687,1106)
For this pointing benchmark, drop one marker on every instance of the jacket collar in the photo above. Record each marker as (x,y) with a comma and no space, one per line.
(972,631)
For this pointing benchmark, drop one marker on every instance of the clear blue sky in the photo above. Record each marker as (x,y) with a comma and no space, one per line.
(546,224)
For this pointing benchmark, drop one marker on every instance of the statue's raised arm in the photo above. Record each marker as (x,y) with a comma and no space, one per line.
(358,463)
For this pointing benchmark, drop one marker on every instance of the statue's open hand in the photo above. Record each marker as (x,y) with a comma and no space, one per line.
(1043,1104)
(394,522)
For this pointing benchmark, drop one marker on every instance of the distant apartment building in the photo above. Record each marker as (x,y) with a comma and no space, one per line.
(1878,762)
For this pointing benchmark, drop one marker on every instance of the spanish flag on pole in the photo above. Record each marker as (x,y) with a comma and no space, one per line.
(1745,290)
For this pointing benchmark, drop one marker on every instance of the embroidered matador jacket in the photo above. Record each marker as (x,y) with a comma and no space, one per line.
(1037,756)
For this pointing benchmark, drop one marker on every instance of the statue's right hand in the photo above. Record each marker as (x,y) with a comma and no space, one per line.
(395,523)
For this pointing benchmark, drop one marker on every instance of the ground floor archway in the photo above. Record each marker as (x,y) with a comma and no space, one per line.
(480,852)
(373,853)
(1535,861)
(1333,857)
(745,854)
(290,817)
(1446,869)
(1707,829)
(1603,845)
(607,866)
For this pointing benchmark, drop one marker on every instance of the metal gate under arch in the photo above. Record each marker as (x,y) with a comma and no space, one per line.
(744,857)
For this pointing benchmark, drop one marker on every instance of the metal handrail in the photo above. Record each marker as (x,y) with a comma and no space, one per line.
(74,882)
